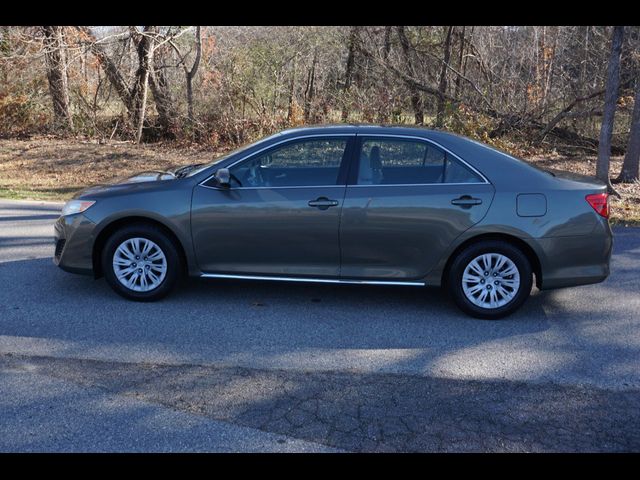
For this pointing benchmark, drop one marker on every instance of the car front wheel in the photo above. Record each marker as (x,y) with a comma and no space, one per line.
(140,263)
(490,279)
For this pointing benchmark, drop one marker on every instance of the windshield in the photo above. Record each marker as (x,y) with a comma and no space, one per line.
(199,169)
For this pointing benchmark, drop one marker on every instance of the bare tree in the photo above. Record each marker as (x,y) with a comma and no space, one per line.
(292,91)
(147,75)
(310,88)
(416,98)
(611,98)
(190,72)
(387,42)
(442,86)
(631,166)
(162,97)
(56,59)
(461,61)
(541,84)
(349,68)
(111,69)
(140,88)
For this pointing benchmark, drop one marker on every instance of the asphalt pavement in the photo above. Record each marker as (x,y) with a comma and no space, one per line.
(260,366)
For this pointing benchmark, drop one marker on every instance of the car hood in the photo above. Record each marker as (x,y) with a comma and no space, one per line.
(128,183)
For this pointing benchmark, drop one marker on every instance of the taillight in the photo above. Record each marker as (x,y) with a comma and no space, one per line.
(600,203)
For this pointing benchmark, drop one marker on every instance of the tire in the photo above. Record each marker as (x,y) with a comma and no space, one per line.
(504,293)
(158,283)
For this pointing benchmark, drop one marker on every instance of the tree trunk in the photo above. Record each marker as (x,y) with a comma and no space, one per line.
(140,88)
(310,90)
(163,100)
(460,61)
(416,99)
(631,166)
(56,59)
(611,98)
(191,75)
(348,74)
(442,86)
(111,70)
(292,90)
(387,42)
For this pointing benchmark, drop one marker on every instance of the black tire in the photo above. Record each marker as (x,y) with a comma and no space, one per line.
(467,255)
(150,232)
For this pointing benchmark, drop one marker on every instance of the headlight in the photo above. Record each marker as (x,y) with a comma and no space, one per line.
(76,206)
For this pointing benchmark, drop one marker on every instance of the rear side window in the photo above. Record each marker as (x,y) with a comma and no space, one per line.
(393,161)
(457,172)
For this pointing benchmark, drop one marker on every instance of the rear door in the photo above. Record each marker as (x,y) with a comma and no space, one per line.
(406,201)
(281,215)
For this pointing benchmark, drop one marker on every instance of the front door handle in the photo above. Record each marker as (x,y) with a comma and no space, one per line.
(323,203)
(466,201)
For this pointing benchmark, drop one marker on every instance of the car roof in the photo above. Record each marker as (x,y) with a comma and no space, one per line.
(442,137)
(362,128)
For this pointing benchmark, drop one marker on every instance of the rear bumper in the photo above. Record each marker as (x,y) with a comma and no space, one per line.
(73,237)
(576,260)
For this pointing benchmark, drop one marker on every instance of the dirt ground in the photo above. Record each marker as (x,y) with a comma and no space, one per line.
(54,169)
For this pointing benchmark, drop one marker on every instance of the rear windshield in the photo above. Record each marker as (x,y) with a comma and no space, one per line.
(517,159)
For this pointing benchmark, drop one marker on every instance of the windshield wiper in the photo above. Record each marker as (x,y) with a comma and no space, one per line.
(182,171)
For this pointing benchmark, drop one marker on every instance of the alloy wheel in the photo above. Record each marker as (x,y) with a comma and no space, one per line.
(139,264)
(491,280)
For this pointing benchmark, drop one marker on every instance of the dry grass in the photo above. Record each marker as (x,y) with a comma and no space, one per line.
(624,211)
(53,169)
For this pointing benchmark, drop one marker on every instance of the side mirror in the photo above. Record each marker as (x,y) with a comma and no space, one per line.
(223,177)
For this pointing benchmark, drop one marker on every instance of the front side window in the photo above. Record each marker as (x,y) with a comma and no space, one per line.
(387,161)
(303,163)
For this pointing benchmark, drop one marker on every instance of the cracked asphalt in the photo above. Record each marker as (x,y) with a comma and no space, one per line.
(251,366)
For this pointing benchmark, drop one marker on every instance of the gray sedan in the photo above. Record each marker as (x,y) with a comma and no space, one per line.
(347,204)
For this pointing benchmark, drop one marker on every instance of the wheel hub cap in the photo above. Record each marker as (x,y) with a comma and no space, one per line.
(505,285)
(136,274)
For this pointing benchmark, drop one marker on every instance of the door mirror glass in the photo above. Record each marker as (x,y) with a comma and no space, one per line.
(223,177)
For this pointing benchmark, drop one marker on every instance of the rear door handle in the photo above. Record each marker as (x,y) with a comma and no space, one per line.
(323,203)
(466,201)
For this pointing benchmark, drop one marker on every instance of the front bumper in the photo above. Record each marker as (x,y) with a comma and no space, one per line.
(73,237)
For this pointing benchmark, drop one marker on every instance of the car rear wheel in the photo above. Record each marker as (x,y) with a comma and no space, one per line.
(490,279)
(141,263)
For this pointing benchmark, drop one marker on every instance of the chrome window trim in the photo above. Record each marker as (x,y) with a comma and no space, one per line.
(310,279)
(423,139)
(416,184)
(250,156)
(278,188)
(381,135)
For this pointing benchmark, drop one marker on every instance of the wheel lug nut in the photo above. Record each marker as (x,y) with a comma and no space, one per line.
(496,283)
(482,281)
(486,274)
(139,270)
(488,287)
(135,265)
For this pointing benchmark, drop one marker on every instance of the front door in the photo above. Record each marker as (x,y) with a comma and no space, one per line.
(406,202)
(281,214)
